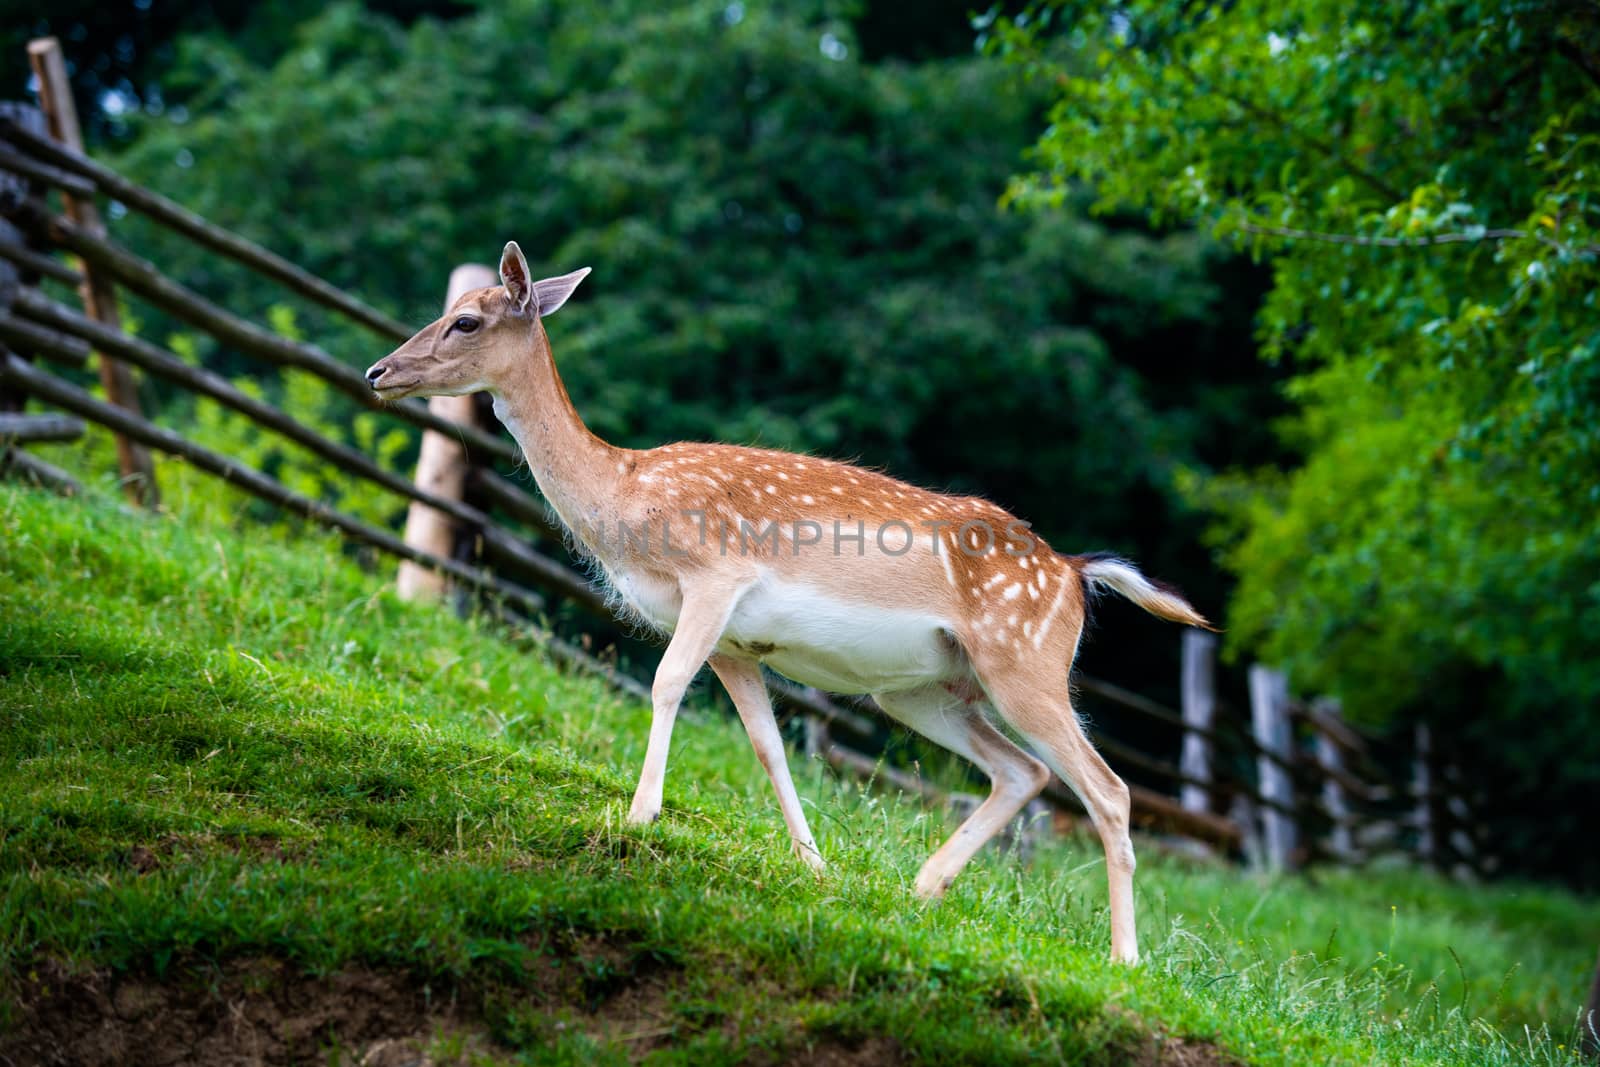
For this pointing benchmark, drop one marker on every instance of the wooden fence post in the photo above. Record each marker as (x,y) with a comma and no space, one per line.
(99,298)
(1463,845)
(1589,1022)
(441,468)
(1199,710)
(1422,792)
(1242,812)
(1341,843)
(1269,715)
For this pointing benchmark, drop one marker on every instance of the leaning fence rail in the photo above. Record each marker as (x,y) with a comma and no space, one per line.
(1303,774)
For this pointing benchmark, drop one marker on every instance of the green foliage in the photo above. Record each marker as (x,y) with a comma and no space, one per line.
(1423,181)
(203,497)
(792,246)
(330,777)
(322,409)
(118,52)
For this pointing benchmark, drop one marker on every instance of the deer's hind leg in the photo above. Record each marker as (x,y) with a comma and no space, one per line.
(1030,687)
(954,720)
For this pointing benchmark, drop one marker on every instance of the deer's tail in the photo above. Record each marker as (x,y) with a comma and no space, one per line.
(1108,572)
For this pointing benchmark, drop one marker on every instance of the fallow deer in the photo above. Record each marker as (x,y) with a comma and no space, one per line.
(830,574)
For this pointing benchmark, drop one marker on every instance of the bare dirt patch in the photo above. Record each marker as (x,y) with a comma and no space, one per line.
(147,859)
(1161,1049)
(255,1012)
(266,1012)
(1182,1052)
(873,1052)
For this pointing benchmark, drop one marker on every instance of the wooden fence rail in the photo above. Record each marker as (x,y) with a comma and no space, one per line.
(1303,781)
(140,276)
(71,165)
(19,429)
(43,342)
(43,173)
(169,367)
(64,395)
(38,263)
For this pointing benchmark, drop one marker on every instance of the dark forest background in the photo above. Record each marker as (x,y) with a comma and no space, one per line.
(807,233)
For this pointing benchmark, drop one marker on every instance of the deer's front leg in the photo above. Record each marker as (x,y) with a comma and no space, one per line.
(705,612)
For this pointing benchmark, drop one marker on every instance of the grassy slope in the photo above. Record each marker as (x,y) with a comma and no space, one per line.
(441,803)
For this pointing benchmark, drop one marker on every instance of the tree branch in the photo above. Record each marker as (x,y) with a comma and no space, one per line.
(1327,148)
(1412,242)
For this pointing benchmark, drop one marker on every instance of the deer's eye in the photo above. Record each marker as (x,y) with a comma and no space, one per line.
(465,324)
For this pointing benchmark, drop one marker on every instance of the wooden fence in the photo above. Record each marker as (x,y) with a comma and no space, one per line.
(1283,785)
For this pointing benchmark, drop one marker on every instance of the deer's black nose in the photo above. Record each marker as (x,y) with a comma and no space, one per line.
(376,371)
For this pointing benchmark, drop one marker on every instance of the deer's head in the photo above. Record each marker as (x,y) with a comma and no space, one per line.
(484,336)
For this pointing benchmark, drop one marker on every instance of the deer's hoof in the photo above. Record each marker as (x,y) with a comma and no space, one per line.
(930,885)
(812,858)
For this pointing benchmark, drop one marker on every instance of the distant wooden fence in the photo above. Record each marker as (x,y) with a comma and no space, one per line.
(1287,784)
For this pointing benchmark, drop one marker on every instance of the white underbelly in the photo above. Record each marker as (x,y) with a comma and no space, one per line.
(842,646)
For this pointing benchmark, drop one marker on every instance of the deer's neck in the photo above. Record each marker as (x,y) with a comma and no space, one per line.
(576,471)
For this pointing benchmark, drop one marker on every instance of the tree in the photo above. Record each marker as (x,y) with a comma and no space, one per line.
(118,49)
(1422,180)
(792,246)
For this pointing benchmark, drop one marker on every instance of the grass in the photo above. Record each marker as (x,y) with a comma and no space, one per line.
(216,748)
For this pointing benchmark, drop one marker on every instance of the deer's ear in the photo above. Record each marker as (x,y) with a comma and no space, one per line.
(514,276)
(551,293)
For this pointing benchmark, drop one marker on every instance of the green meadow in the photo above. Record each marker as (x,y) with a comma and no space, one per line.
(234,760)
